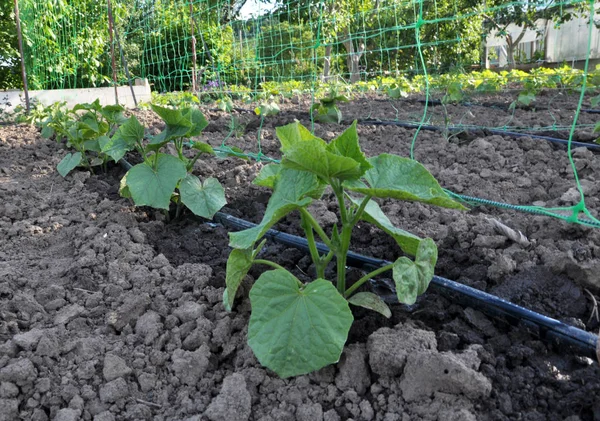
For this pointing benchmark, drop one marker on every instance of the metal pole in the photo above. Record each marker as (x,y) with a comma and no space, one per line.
(194,74)
(125,66)
(112,50)
(23,71)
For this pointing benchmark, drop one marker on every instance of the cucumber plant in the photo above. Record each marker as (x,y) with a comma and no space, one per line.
(87,131)
(164,178)
(327,110)
(296,328)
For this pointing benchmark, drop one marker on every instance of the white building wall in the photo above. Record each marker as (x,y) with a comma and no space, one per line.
(567,42)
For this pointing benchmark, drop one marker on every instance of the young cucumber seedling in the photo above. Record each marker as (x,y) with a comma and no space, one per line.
(163,178)
(297,328)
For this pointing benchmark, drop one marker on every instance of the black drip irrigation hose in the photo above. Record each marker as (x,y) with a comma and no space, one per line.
(435,102)
(484,130)
(546,328)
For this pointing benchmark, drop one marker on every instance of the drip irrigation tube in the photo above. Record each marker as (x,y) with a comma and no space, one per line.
(435,102)
(491,131)
(551,330)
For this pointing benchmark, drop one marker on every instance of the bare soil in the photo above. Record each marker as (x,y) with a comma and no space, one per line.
(108,312)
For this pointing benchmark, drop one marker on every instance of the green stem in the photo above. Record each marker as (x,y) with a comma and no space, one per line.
(315,225)
(341,252)
(341,257)
(361,208)
(365,278)
(339,194)
(269,263)
(190,166)
(312,247)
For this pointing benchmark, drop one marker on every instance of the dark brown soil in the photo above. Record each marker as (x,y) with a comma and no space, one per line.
(109,313)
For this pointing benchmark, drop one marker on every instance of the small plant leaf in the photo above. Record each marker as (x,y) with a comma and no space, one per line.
(267,176)
(370,301)
(123,189)
(227,151)
(413,278)
(153,187)
(328,113)
(597,127)
(239,263)
(203,147)
(202,198)
(374,215)
(401,178)
(292,191)
(295,330)
(124,139)
(132,131)
(68,163)
(347,145)
(47,132)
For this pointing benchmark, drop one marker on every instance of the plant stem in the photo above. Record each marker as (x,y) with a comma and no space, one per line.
(268,263)
(312,247)
(190,165)
(365,278)
(341,252)
(359,212)
(315,225)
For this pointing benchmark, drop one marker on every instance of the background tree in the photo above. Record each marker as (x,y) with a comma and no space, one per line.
(10,76)
(527,15)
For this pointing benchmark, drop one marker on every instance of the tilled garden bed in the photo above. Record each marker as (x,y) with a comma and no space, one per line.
(108,312)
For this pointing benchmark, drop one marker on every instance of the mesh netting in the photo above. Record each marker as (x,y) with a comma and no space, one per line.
(441,54)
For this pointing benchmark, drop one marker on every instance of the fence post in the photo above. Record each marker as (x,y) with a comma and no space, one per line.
(194,73)
(23,71)
(112,50)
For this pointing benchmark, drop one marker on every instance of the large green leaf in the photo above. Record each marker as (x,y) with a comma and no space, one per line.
(295,330)
(68,163)
(303,151)
(401,178)
(374,215)
(113,113)
(294,134)
(292,191)
(413,278)
(267,176)
(177,125)
(370,301)
(347,145)
(150,187)
(197,119)
(202,198)
(171,117)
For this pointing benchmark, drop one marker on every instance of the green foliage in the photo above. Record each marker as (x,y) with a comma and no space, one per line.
(85,128)
(296,328)
(162,178)
(10,77)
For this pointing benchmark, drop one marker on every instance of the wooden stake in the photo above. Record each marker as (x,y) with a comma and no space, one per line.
(23,71)
(194,74)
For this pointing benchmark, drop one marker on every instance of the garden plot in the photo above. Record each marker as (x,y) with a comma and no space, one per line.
(109,312)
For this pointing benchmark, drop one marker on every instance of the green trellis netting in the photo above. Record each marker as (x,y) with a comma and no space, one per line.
(444,50)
